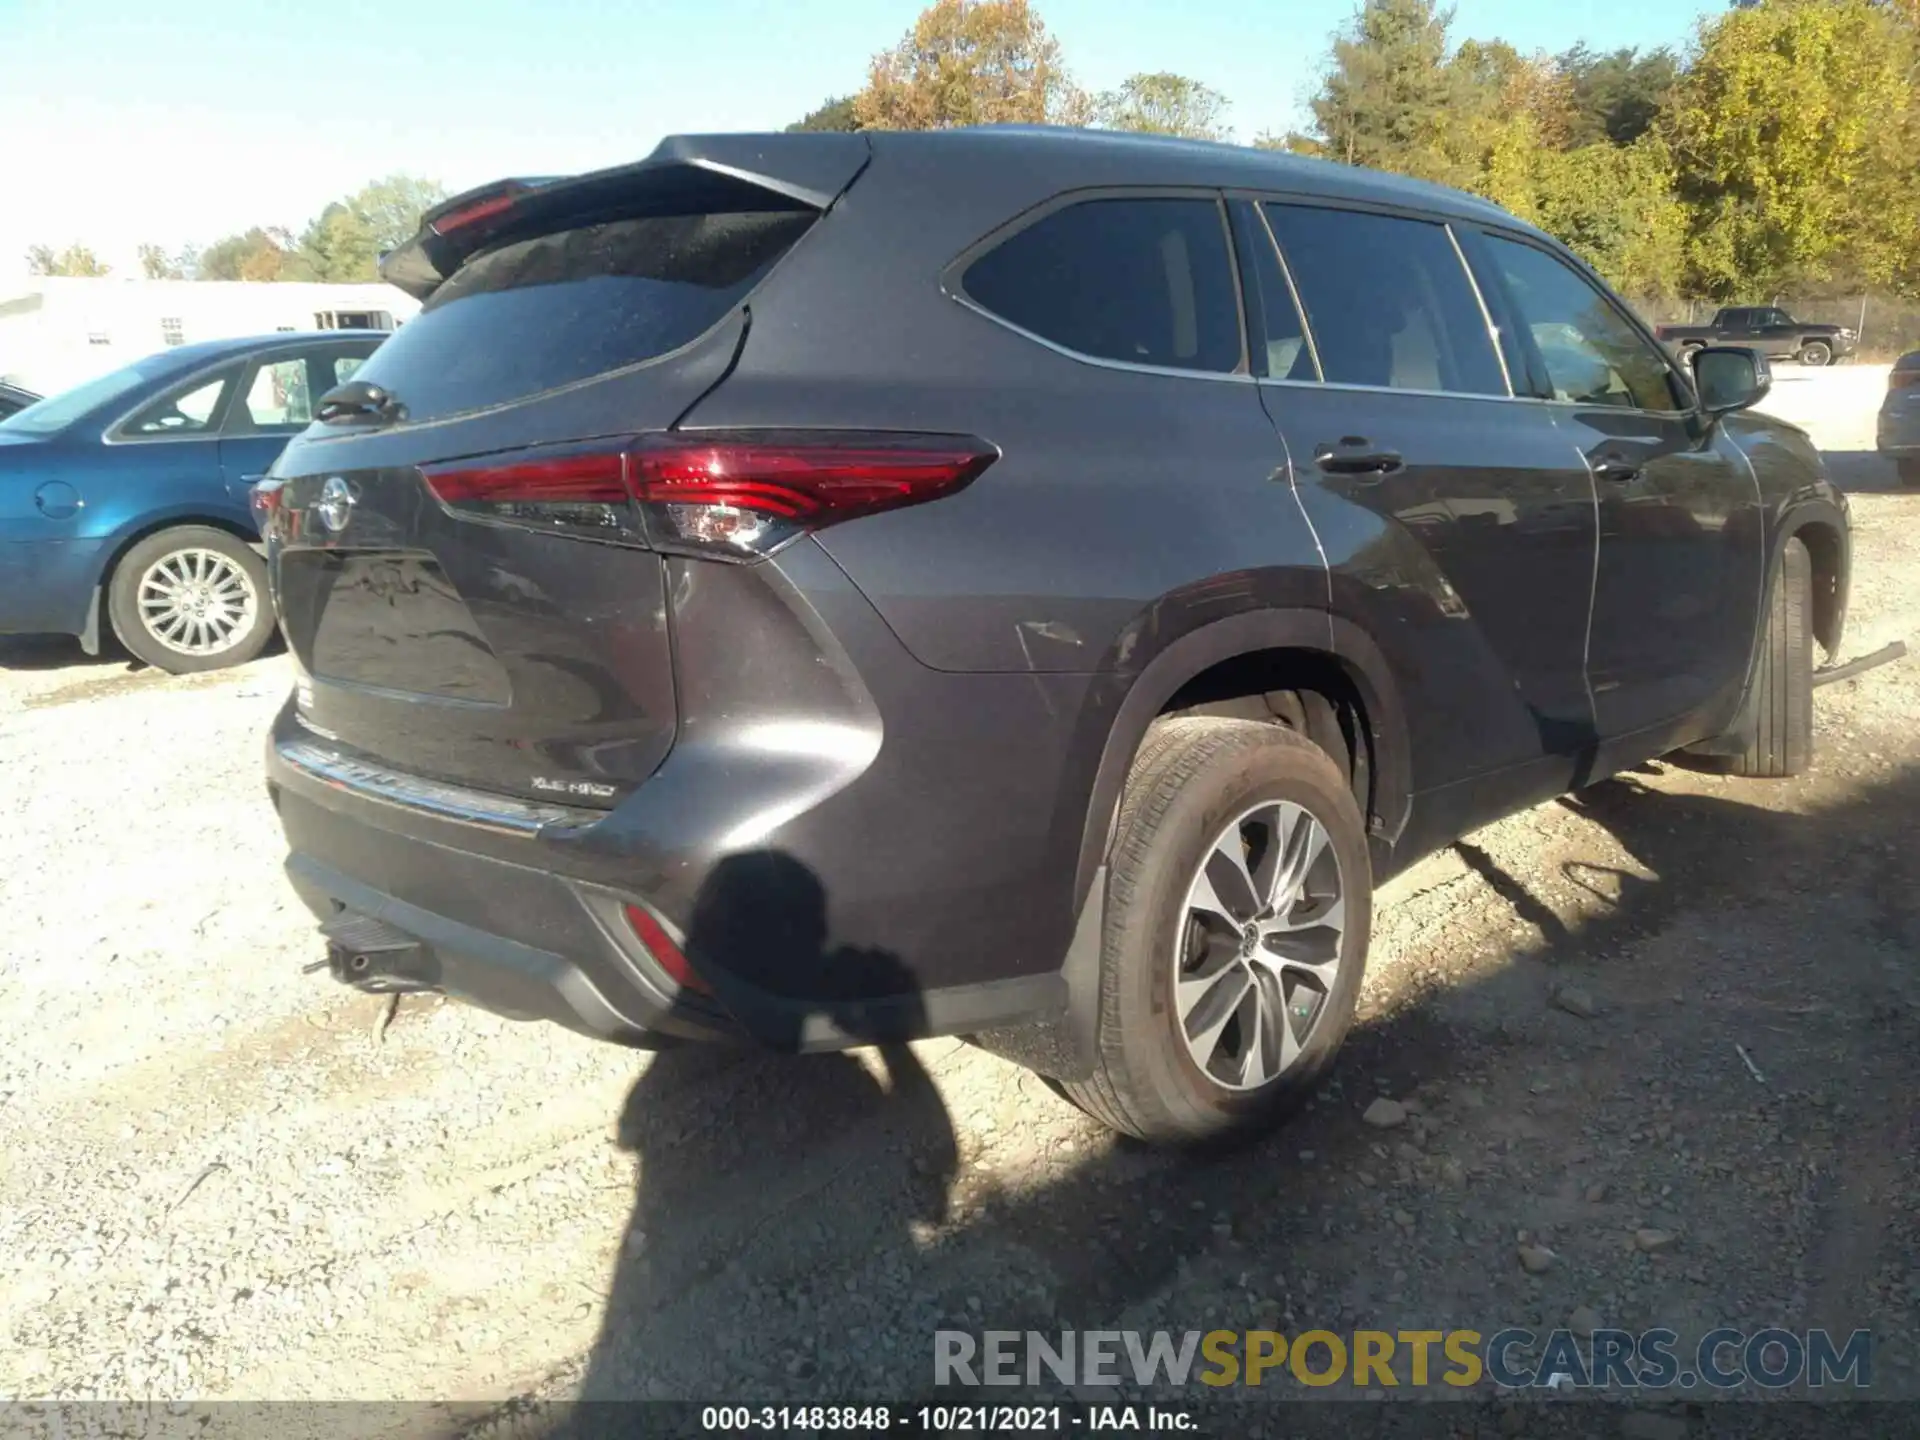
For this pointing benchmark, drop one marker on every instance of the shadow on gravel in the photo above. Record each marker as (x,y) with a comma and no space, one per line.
(60,652)
(807,1244)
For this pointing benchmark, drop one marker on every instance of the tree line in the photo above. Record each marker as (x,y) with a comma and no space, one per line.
(342,243)
(1774,150)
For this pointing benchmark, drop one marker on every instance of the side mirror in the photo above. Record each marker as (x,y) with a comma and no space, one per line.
(1729,378)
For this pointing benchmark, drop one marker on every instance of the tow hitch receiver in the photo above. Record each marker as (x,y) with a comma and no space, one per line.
(374,957)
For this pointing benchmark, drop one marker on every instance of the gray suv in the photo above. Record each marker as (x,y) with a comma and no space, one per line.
(1015,583)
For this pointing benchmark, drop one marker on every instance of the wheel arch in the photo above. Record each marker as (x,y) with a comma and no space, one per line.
(147,527)
(1262,650)
(1823,530)
(151,525)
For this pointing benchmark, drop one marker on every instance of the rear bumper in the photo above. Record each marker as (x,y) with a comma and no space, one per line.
(530,944)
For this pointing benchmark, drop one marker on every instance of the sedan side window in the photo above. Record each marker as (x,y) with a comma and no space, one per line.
(193,411)
(278,397)
(1590,353)
(1388,301)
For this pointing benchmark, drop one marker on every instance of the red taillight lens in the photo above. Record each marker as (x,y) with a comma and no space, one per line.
(733,495)
(483,207)
(1904,380)
(264,500)
(665,953)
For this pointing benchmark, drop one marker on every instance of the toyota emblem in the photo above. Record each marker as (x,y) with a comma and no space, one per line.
(336,504)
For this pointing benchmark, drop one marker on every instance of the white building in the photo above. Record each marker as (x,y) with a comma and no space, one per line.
(57,331)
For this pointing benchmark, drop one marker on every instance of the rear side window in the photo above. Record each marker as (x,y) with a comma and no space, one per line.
(554,309)
(1388,301)
(1143,281)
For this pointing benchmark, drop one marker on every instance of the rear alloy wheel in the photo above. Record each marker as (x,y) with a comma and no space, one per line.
(1239,903)
(190,599)
(1816,352)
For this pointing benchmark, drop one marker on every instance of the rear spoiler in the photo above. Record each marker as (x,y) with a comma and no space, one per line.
(686,174)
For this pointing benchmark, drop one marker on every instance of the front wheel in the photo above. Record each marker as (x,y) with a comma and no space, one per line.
(190,599)
(1778,714)
(1816,352)
(1239,905)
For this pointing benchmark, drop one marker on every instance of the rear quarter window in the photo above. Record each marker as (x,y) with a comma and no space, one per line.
(1140,280)
(550,310)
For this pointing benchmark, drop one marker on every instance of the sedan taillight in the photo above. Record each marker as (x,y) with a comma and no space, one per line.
(733,495)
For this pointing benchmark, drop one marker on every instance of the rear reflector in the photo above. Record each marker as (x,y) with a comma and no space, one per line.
(665,953)
(264,500)
(736,495)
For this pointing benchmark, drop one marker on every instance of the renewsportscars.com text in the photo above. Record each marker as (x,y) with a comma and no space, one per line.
(1513,1358)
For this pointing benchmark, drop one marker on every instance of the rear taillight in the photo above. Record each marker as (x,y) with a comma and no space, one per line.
(264,500)
(666,954)
(1904,380)
(735,495)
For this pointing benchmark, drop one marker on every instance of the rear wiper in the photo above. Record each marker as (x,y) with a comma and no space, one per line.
(359,400)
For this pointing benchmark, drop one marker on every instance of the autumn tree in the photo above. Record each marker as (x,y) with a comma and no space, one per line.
(75,260)
(1777,133)
(157,264)
(1161,103)
(971,62)
(1616,95)
(1389,98)
(835,114)
(389,209)
(260,253)
(339,245)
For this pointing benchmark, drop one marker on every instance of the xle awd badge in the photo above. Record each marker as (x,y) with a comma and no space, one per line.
(336,504)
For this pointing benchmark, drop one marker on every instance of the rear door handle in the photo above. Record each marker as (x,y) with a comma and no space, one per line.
(1620,471)
(1356,455)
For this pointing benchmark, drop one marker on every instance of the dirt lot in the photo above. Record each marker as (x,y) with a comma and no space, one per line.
(224,1179)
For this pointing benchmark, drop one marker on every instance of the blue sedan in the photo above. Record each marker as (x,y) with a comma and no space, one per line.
(128,495)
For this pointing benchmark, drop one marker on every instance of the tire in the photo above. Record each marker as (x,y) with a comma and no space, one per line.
(1816,353)
(1909,471)
(223,616)
(1197,781)
(1779,707)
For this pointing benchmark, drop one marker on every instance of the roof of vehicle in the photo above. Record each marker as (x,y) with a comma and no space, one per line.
(812,168)
(1069,156)
(205,351)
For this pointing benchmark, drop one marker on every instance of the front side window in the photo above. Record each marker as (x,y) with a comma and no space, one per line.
(1388,301)
(1145,281)
(192,411)
(1590,353)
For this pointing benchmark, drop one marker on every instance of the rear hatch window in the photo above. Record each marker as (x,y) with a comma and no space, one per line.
(539,313)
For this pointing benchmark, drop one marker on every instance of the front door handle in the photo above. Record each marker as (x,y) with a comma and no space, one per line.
(1356,455)
(1618,469)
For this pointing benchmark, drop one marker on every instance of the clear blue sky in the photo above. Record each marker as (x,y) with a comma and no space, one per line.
(182,122)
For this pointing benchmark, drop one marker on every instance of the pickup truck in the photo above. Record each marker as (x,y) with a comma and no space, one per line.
(1766,328)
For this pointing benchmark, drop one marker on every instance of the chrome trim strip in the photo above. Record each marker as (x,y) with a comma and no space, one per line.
(495,812)
(1486,315)
(1299,305)
(966,301)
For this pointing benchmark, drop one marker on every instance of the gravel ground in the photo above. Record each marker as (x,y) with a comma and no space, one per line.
(226,1179)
